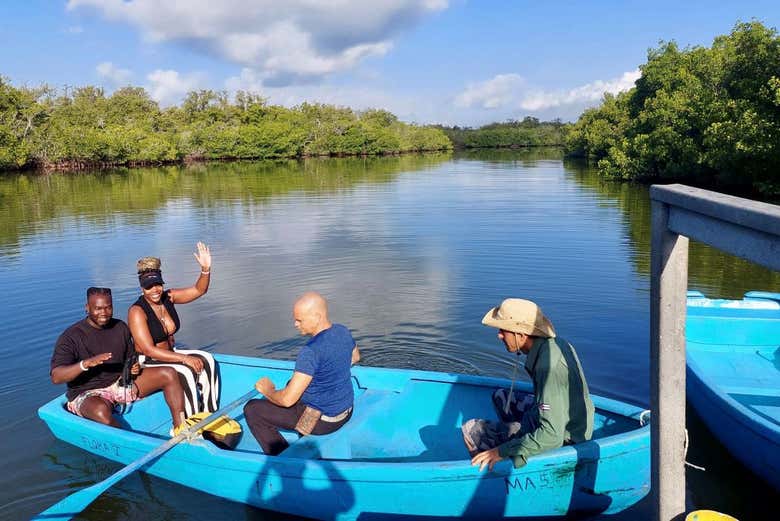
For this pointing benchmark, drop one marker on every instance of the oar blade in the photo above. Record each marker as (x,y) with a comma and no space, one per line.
(73,504)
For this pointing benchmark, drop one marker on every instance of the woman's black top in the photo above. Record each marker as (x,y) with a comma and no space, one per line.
(156,328)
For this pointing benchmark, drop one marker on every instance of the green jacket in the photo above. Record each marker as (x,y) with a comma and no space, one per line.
(563,411)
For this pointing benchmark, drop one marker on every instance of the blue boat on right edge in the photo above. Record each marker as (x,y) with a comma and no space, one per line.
(733,375)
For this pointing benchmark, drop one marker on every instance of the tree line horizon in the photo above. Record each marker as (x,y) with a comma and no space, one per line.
(708,116)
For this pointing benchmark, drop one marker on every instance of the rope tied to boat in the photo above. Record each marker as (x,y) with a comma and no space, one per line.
(685,455)
(644,419)
(512,386)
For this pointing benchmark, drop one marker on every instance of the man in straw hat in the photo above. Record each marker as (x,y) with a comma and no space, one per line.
(561,411)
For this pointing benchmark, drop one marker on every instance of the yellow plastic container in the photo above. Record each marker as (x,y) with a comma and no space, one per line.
(708,515)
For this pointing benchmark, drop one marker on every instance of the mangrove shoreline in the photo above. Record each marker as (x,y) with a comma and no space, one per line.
(705,116)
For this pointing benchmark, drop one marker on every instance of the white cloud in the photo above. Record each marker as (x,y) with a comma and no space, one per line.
(168,87)
(491,94)
(511,92)
(115,75)
(286,42)
(589,93)
(346,96)
(248,80)
(369,94)
(74,29)
(506,96)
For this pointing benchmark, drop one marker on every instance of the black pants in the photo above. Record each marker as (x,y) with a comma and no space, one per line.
(265,419)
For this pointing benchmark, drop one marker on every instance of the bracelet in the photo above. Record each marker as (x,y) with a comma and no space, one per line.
(205,272)
(83,367)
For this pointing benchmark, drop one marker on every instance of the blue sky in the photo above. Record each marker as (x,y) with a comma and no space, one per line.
(463,62)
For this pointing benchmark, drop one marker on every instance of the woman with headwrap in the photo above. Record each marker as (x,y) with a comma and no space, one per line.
(153,321)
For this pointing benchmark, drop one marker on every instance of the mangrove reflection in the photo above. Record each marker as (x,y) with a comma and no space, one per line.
(32,204)
(503,155)
(715,273)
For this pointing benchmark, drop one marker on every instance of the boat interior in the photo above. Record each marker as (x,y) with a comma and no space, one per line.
(398,417)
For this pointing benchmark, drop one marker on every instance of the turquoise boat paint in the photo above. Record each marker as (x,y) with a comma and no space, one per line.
(733,375)
(401,454)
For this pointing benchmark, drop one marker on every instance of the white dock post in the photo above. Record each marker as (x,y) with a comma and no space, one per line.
(668,287)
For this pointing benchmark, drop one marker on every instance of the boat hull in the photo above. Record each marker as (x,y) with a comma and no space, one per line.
(733,376)
(605,475)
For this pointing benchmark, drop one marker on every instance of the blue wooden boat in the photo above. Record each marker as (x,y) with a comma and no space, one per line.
(401,454)
(733,375)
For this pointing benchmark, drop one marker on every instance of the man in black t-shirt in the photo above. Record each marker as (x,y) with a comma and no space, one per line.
(90,355)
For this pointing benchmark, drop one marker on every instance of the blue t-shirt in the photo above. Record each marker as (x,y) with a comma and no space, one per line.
(327,358)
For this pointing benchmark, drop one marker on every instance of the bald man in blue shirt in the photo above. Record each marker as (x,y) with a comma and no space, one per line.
(318,398)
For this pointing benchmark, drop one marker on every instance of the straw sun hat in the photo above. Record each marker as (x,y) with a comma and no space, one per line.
(519,316)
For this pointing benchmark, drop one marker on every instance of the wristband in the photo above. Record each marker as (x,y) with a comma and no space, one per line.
(83,367)
(205,272)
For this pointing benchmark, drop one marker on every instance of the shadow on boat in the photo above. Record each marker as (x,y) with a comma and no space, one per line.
(320,488)
(443,441)
(584,502)
(281,478)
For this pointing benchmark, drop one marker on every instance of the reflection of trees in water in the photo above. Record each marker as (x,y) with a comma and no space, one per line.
(502,155)
(31,203)
(711,271)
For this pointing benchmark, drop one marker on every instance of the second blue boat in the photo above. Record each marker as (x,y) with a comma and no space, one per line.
(733,377)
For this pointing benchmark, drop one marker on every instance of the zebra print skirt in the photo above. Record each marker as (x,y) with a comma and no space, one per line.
(201,391)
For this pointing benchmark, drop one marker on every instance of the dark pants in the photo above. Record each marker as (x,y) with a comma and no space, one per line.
(265,419)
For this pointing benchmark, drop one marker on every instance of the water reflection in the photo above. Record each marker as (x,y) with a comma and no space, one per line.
(711,271)
(32,203)
(410,250)
(524,156)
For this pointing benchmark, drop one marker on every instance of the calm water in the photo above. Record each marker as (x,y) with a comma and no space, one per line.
(411,252)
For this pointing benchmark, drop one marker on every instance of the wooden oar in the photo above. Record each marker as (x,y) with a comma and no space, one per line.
(78,501)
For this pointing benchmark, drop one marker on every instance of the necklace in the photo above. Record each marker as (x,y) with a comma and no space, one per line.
(159,312)
(163,320)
